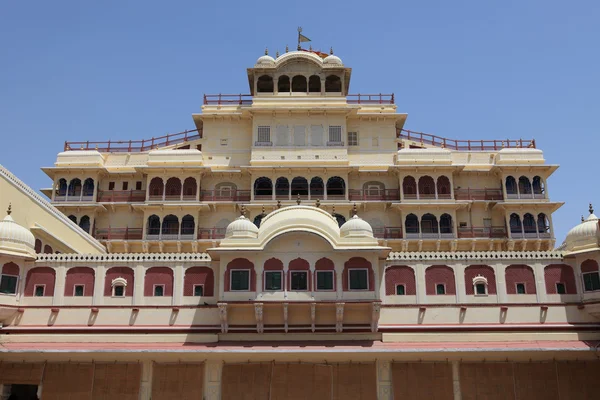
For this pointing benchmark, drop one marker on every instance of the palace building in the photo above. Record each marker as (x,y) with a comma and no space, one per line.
(299,243)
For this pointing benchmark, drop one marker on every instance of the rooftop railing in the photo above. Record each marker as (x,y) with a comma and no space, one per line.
(370,98)
(465,145)
(133,146)
(478,194)
(227,99)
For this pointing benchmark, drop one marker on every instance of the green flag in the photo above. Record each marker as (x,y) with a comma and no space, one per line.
(302,38)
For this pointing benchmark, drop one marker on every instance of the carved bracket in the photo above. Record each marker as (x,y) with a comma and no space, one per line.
(223,317)
(313,315)
(376,308)
(285,317)
(258,314)
(339,317)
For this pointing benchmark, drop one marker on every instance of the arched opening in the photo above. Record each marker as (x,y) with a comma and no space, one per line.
(316,188)
(543,226)
(336,188)
(411,224)
(173,189)
(591,275)
(443,187)
(158,282)
(79,282)
(62,187)
(511,185)
(282,188)
(439,280)
(524,185)
(429,225)
(529,225)
(73,218)
(314,84)
(75,187)
(264,84)
(188,226)
(373,190)
(515,225)
(38,246)
(538,186)
(40,282)
(400,280)
(341,220)
(153,226)
(519,279)
(480,280)
(48,249)
(198,281)
(258,219)
(560,279)
(156,189)
(299,84)
(84,223)
(299,187)
(446,224)
(333,84)
(170,227)
(189,188)
(283,84)
(119,282)
(426,187)
(263,188)
(409,187)
(88,187)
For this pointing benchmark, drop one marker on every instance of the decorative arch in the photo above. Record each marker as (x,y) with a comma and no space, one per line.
(542,223)
(340,219)
(10,278)
(519,274)
(283,84)
(538,185)
(411,224)
(264,84)
(511,185)
(156,187)
(400,275)
(333,84)
(188,225)
(75,187)
(80,276)
(317,188)
(524,185)
(373,190)
(446,224)
(515,224)
(282,188)
(170,225)
(336,188)
(439,275)
(357,263)
(258,219)
(88,187)
(443,187)
(529,224)
(73,218)
(84,223)
(314,84)
(429,224)
(38,246)
(123,273)
(299,264)
(153,225)
(43,277)
(556,274)
(225,190)
(263,187)
(589,265)
(190,188)
(299,84)
(409,187)
(158,276)
(426,187)
(62,187)
(325,264)
(240,264)
(173,189)
(203,276)
(472,272)
(48,249)
(299,187)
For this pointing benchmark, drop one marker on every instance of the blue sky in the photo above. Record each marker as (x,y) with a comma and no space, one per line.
(79,70)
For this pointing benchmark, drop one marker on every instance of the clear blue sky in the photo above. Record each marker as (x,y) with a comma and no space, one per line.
(79,70)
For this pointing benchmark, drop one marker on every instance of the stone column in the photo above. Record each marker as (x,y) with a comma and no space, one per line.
(53,191)
(540,283)
(146,382)
(339,284)
(456,380)
(59,286)
(421,286)
(213,370)
(138,290)
(384,380)
(99,276)
(178,276)
(500,283)
(459,277)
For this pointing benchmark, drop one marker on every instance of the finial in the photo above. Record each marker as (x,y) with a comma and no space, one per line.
(287,49)
(582,219)
(277,54)
(298,201)
(266,51)
(9,209)
(331,50)
(591,209)
(318,203)
(278,203)
(243,211)
(310,47)
(354,210)
(333,210)
(263,209)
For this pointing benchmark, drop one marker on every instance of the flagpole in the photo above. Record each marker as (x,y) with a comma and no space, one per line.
(299,32)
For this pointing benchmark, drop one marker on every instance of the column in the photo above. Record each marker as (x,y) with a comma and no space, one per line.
(384,380)
(59,286)
(139,278)
(540,282)
(456,380)
(378,272)
(507,219)
(148,180)
(339,284)
(178,277)
(522,226)
(164,194)
(95,194)
(500,282)
(259,269)
(99,276)
(313,279)
(421,288)
(221,277)
(82,180)
(213,370)
(54,188)
(146,382)
(459,277)
(435,188)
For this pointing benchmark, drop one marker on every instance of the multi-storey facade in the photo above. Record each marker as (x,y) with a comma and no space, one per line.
(358,242)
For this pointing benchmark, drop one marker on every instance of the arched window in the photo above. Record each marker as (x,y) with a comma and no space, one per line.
(79,282)
(62,187)
(48,249)
(264,84)
(38,246)
(511,185)
(400,280)
(170,227)
(299,187)
(199,281)
(75,187)
(538,185)
(299,84)
(158,282)
(156,188)
(336,188)
(439,280)
(316,188)
(524,185)
(341,220)
(88,187)
(412,224)
(333,84)
(263,188)
(542,224)
(325,275)
(373,190)
(283,84)
(188,225)
(529,225)
(519,279)
(173,189)
(478,275)
(73,218)
(9,278)
(153,226)
(426,187)
(560,279)
(446,224)
(429,224)
(84,223)
(443,187)
(314,84)
(258,220)
(40,282)
(119,282)
(591,275)
(282,188)
(515,224)
(240,276)
(409,187)
(189,188)
(358,275)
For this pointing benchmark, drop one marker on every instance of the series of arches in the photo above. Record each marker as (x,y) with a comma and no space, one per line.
(525,188)
(74,189)
(39,246)
(298,84)
(426,187)
(173,189)
(428,226)
(84,222)
(335,188)
(529,226)
(169,227)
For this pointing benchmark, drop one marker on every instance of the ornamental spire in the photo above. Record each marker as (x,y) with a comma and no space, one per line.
(354,210)
(243,211)
(298,201)
(266,51)
(9,209)
(591,209)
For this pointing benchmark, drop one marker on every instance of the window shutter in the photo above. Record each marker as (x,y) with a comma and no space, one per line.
(299,135)
(316,135)
(282,135)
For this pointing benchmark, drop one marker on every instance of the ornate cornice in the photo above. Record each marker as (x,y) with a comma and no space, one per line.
(125,257)
(475,255)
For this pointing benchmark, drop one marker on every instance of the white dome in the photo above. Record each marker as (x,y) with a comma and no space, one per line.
(265,60)
(241,228)
(585,234)
(15,239)
(356,227)
(331,59)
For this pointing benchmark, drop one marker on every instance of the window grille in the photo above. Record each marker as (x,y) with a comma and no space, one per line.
(352,138)
(335,134)
(358,279)
(264,134)
(324,280)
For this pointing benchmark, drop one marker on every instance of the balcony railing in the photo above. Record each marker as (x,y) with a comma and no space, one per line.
(429,235)
(427,196)
(335,144)
(374,195)
(228,99)
(170,234)
(525,196)
(118,234)
(530,234)
(263,144)
(478,194)
(370,98)
(482,232)
(465,145)
(211,233)
(69,198)
(388,232)
(221,195)
(121,196)
(133,146)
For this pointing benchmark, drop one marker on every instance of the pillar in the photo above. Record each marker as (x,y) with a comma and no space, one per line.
(456,380)
(138,290)
(213,370)
(339,287)
(459,278)
(420,283)
(384,380)
(95,193)
(53,191)
(178,276)
(99,277)
(540,282)
(500,282)
(146,382)
(59,286)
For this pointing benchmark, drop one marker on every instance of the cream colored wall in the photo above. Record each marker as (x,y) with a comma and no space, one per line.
(238,135)
(376,139)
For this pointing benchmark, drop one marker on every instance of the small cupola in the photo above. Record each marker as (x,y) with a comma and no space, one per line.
(356,227)
(584,236)
(241,228)
(15,239)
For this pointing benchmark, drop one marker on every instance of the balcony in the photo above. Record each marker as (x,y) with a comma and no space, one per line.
(211,233)
(525,196)
(429,235)
(118,234)
(463,145)
(427,196)
(225,195)
(388,232)
(479,194)
(374,195)
(170,234)
(121,196)
(530,234)
(486,232)
(71,198)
